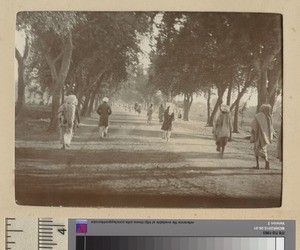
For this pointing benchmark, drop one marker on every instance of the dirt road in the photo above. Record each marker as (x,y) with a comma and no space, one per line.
(134,167)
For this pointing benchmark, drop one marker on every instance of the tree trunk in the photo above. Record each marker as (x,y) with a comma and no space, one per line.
(261,88)
(241,93)
(274,84)
(80,96)
(273,98)
(54,109)
(62,95)
(273,95)
(97,102)
(221,92)
(97,83)
(212,116)
(85,104)
(262,85)
(91,105)
(236,117)
(239,97)
(59,79)
(21,82)
(187,103)
(58,82)
(208,104)
(76,87)
(228,102)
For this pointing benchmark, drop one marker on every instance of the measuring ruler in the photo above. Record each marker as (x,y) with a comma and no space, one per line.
(40,233)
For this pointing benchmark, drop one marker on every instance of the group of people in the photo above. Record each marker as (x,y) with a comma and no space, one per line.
(69,119)
(166,116)
(262,131)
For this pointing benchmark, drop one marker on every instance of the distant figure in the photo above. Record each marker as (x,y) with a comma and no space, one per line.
(104,111)
(161,113)
(180,114)
(222,129)
(136,106)
(168,120)
(262,133)
(139,109)
(149,114)
(66,118)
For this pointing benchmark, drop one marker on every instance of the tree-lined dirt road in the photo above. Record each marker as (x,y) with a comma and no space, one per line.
(134,167)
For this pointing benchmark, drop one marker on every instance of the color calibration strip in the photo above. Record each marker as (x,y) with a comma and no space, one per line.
(178,243)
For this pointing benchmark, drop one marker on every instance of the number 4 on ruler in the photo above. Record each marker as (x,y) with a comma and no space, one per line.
(62,231)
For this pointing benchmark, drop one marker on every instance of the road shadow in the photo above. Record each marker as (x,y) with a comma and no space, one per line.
(85,133)
(111,156)
(102,199)
(86,157)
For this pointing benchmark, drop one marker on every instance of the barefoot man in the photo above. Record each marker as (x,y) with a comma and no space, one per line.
(262,133)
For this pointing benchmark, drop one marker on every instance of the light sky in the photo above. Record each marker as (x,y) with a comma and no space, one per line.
(20,41)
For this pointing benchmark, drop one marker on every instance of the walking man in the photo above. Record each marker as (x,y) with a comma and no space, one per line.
(104,110)
(222,129)
(262,133)
(149,114)
(66,118)
(161,114)
(169,117)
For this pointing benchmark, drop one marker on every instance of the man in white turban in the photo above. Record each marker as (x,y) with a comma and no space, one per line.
(104,110)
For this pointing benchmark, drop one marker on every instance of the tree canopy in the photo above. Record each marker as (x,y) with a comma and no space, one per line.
(85,52)
(200,50)
(97,53)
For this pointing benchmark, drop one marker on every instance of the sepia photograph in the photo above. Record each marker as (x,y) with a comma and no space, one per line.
(148,109)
